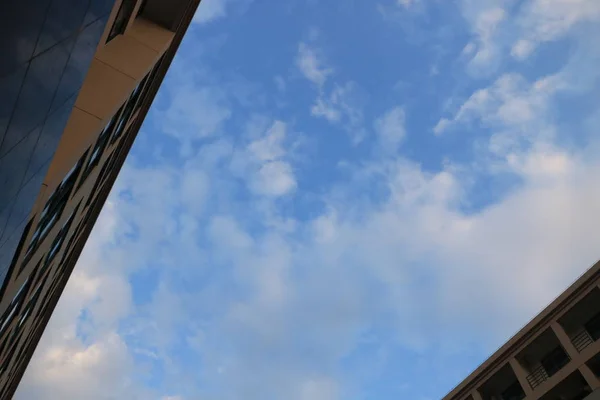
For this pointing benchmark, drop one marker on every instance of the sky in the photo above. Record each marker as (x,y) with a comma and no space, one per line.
(338,200)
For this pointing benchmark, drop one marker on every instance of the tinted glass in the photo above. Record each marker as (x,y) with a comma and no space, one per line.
(38,81)
(20,24)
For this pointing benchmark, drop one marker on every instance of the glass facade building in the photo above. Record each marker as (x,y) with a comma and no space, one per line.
(76,80)
(46,49)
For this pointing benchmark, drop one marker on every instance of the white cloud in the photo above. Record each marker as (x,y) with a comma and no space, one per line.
(263,163)
(195,188)
(530,24)
(342,106)
(211,10)
(390,128)
(321,389)
(310,63)
(195,112)
(441,126)
(546,20)
(269,307)
(326,109)
(542,163)
(479,254)
(287,304)
(522,49)
(226,231)
(65,365)
(270,146)
(510,104)
(485,19)
(75,371)
(275,178)
(407,3)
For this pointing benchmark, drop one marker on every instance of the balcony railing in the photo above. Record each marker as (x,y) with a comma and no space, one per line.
(554,362)
(537,377)
(582,340)
(589,333)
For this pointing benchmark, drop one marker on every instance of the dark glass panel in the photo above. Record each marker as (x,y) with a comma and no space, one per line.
(63,19)
(36,94)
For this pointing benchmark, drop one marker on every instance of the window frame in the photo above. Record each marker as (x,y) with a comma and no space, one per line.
(98,149)
(53,209)
(59,240)
(121,19)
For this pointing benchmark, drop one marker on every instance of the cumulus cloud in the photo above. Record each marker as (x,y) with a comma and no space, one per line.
(478,254)
(69,365)
(274,178)
(263,163)
(251,294)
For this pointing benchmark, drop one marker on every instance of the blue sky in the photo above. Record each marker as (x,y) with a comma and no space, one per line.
(338,200)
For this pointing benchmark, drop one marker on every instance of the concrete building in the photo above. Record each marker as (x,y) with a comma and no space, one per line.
(76,80)
(556,356)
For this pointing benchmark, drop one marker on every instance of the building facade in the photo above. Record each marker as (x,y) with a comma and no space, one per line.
(76,80)
(556,356)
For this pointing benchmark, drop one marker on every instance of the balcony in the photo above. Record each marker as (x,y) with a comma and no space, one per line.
(543,358)
(573,387)
(582,321)
(503,385)
(588,334)
(550,365)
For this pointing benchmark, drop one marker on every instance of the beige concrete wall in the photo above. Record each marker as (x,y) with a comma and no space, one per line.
(144,42)
(115,71)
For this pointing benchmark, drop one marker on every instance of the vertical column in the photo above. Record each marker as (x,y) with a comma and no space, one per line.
(476,395)
(564,340)
(589,376)
(521,375)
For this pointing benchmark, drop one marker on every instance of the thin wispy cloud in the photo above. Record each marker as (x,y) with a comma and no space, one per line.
(311,64)
(391,128)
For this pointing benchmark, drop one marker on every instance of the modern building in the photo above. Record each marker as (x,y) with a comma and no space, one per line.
(76,80)
(556,356)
